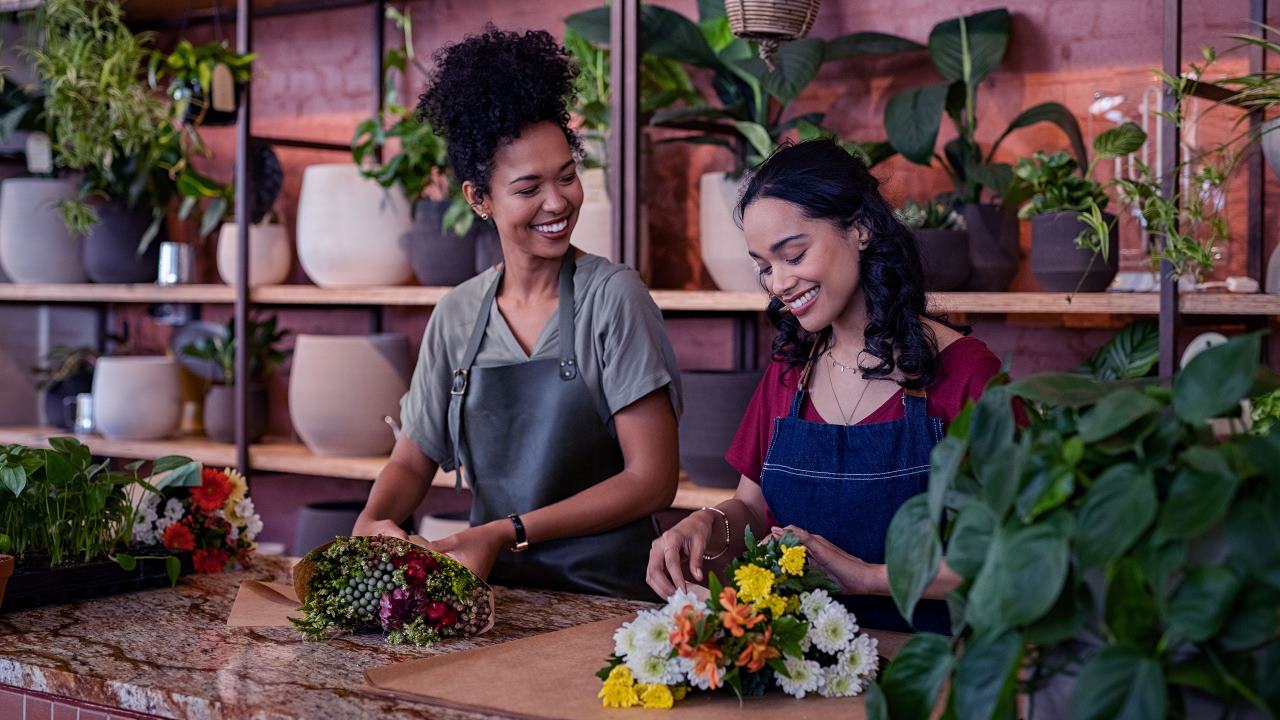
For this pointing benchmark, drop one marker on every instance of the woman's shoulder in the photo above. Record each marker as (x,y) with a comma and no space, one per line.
(464,300)
(966,361)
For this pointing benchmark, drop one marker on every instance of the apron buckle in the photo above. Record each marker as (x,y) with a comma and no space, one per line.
(568,369)
(459,383)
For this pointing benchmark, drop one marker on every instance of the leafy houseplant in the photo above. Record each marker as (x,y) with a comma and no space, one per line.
(265,356)
(1132,353)
(197,75)
(943,240)
(1112,537)
(63,373)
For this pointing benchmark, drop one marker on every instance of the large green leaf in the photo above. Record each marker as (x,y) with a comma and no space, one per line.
(1199,606)
(911,120)
(944,462)
(795,65)
(1046,490)
(1132,353)
(912,681)
(868,43)
(1131,614)
(1114,413)
(1253,539)
(1065,619)
(1064,389)
(668,34)
(757,137)
(1216,380)
(1253,620)
(1117,509)
(1021,579)
(14,477)
(1119,683)
(1001,472)
(912,553)
(1197,500)
(985,675)
(967,49)
(1119,141)
(970,538)
(1050,112)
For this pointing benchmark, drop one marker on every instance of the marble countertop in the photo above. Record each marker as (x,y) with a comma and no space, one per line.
(170,652)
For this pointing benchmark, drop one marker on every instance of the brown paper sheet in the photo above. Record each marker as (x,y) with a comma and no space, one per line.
(553,676)
(263,604)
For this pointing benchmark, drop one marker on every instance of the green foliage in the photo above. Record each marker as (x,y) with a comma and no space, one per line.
(190,71)
(934,214)
(1132,353)
(1119,481)
(264,353)
(57,505)
(1055,185)
(62,363)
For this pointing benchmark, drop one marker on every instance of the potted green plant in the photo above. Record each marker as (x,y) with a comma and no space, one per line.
(121,138)
(965,51)
(1116,556)
(265,356)
(943,239)
(270,251)
(205,81)
(63,373)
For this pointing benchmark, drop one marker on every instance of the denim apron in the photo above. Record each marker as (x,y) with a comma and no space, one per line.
(530,434)
(845,482)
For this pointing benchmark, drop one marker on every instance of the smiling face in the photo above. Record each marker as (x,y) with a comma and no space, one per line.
(534,193)
(811,265)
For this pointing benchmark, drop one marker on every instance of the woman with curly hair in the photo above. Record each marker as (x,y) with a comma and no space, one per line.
(547,380)
(863,380)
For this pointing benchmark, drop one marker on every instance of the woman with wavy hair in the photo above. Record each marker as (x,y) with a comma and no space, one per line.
(862,382)
(547,380)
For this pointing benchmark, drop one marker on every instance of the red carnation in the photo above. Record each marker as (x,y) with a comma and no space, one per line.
(179,537)
(212,492)
(209,561)
(417,566)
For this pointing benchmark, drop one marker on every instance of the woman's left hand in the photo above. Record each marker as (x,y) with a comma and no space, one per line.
(476,547)
(853,575)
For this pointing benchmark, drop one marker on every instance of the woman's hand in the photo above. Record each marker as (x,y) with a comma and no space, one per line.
(854,576)
(477,547)
(370,526)
(685,542)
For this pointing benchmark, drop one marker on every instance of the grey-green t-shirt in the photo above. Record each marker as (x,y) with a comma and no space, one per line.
(621,344)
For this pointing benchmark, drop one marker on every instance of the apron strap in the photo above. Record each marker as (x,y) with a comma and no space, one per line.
(568,356)
(458,389)
(797,400)
(915,403)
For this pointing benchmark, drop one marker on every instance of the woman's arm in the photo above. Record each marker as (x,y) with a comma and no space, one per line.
(397,492)
(856,577)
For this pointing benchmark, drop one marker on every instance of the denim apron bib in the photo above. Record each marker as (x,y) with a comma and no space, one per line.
(530,434)
(845,482)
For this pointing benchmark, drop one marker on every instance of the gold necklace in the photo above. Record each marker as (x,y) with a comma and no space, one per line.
(836,395)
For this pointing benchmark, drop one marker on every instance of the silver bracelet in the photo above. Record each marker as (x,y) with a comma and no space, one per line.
(726,533)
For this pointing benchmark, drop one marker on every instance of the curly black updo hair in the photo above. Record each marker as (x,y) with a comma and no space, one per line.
(827,183)
(488,87)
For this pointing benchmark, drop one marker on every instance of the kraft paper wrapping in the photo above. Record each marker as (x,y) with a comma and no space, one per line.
(553,676)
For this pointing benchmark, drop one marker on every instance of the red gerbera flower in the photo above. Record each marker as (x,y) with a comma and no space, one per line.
(179,537)
(209,561)
(212,492)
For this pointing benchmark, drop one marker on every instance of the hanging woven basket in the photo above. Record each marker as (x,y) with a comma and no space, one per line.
(771,22)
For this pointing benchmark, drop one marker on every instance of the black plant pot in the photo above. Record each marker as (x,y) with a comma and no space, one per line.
(945,257)
(111,249)
(439,257)
(197,103)
(220,413)
(1059,265)
(993,247)
(61,414)
(714,403)
(37,585)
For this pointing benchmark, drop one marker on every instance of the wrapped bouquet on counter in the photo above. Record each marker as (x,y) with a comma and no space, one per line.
(412,594)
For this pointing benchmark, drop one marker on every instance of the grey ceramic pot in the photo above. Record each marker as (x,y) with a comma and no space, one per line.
(714,403)
(1270,142)
(35,246)
(993,247)
(945,257)
(440,257)
(61,414)
(488,247)
(111,249)
(1060,266)
(220,413)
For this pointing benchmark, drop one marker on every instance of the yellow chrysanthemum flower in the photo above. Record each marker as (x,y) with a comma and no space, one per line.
(656,697)
(620,689)
(792,562)
(239,488)
(793,604)
(772,603)
(679,692)
(754,582)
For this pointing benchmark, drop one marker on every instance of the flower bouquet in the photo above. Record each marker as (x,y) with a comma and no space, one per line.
(214,520)
(775,624)
(412,594)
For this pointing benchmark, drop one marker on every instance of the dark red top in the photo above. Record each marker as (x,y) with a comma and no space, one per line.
(965,367)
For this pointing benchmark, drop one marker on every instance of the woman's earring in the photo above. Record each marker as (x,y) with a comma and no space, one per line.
(483,215)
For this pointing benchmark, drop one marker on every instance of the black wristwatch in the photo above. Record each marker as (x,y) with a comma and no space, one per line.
(522,543)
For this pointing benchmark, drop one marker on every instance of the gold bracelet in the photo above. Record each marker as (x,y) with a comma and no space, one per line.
(726,533)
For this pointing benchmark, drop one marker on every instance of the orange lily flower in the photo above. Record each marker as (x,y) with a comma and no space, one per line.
(758,652)
(707,663)
(686,627)
(737,617)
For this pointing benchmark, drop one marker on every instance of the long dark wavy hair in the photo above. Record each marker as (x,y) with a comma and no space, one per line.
(827,183)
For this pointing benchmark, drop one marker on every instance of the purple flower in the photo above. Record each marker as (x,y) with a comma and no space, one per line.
(400,607)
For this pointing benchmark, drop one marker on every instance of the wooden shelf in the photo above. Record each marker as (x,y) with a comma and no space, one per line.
(93,293)
(313,295)
(283,457)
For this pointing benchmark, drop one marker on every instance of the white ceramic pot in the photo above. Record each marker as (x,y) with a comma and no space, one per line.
(35,246)
(594,231)
(270,254)
(351,231)
(342,386)
(724,248)
(1272,284)
(136,398)
(1270,142)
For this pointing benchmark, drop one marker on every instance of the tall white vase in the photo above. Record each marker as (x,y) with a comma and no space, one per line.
(342,386)
(136,398)
(724,248)
(351,231)
(269,254)
(594,231)
(35,246)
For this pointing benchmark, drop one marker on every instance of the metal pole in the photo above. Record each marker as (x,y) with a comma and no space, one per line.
(1257,181)
(244,44)
(1170,147)
(379,49)
(624,136)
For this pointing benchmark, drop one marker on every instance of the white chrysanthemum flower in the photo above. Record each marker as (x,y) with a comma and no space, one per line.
(252,523)
(652,669)
(173,511)
(812,603)
(833,629)
(653,633)
(806,677)
(836,682)
(862,658)
(233,535)
(624,641)
(679,601)
(144,531)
